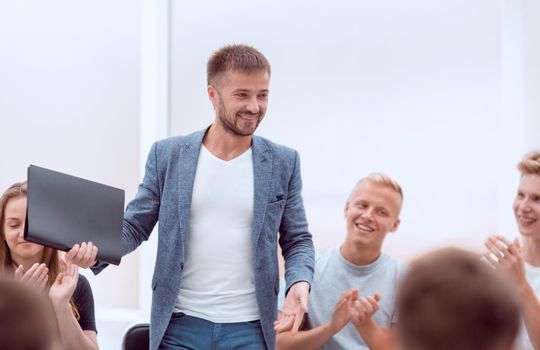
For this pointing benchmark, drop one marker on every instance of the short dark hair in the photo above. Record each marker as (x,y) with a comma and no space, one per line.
(451,300)
(238,57)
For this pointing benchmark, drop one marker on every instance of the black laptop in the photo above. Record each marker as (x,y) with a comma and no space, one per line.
(64,210)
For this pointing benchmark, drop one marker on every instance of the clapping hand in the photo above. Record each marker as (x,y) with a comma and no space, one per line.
(364,308)
(65,284)
(343,310)
(506,256)
(35,277)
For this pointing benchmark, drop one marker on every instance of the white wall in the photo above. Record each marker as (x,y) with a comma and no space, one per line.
(531,48)
(409,88)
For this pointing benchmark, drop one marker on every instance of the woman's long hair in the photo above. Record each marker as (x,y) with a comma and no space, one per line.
(50,256)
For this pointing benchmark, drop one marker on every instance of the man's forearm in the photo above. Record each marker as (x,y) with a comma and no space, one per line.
(373,335)
(306,340)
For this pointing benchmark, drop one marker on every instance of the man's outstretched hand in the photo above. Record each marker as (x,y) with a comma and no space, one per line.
(294,308)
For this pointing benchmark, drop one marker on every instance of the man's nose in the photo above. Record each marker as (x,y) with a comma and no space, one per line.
(253,105)
(524,206)
(368,214)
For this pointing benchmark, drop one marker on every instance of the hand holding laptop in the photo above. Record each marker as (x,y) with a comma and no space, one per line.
(84,254)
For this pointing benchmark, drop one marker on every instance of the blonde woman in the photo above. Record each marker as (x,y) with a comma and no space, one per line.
(41,267)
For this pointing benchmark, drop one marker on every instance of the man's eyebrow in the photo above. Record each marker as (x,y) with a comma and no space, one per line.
(247,90)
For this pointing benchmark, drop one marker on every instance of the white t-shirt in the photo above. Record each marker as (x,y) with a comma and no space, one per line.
(533,277)
(218,279)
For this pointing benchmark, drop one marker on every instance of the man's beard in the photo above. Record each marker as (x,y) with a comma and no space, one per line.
(230,125)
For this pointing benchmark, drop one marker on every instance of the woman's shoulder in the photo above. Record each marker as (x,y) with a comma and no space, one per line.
(83,281)
(83,288)
(84,301)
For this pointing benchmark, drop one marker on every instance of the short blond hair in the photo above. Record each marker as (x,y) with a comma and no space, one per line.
(530,164)
(383,180)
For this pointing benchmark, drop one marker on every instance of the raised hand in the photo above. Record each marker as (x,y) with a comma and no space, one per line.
(294,308)
(65,284)
(83,255)
(506,256)
(343,310)
(364,308)
(35,277)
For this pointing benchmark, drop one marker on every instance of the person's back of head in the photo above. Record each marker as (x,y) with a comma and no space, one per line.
(451,300)
(27,320)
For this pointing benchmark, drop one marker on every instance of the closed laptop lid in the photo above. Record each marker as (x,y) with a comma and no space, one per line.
(64,210)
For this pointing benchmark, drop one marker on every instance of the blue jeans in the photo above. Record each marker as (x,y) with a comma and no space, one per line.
(187,332)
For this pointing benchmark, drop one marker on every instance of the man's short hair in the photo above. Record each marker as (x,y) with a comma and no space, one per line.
(451,300)
(530,164)
(242,58)
(383,180)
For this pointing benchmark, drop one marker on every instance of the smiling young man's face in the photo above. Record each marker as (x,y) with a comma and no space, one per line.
(527,206)
(240,100)
(371,212)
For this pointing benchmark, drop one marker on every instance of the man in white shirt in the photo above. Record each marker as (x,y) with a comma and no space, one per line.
(221,196)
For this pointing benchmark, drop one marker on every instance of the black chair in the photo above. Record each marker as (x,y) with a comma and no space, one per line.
(137,337)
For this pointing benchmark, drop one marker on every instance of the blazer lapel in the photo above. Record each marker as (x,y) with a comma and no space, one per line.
(262,175)
(187,166)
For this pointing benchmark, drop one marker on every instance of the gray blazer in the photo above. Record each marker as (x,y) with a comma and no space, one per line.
(165,197)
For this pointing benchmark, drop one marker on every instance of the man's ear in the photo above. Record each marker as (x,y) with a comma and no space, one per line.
(212,94)
(345,209)
(395,225)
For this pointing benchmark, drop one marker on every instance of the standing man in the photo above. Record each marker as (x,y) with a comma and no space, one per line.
(221,195)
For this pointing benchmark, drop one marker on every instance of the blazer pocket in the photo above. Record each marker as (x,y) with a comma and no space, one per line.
(279,203)
(277,198)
